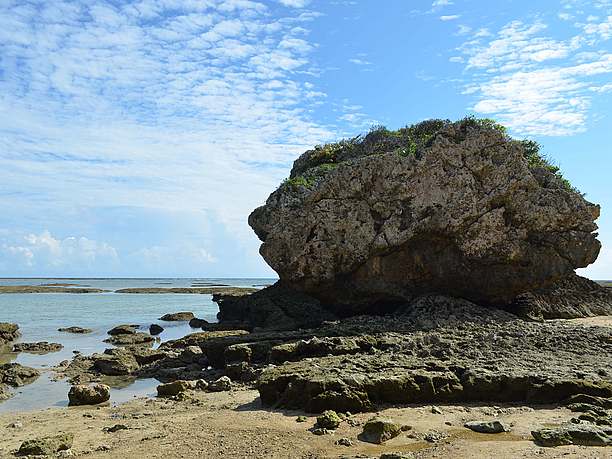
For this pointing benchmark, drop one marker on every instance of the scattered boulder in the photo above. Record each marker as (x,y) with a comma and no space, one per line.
(82,394)
(574,434)
(489,427)
(137,338)
(379,429)
(174,388)
(220,385)
(124,329)
(115,428)
(75,330)
(8,332)
(177,317)
(155,329)
(344,442)
(16,375)
(42,347)
(198,323)
(438,207)
(328,420)
(46,446)
(192,354)
(115,364)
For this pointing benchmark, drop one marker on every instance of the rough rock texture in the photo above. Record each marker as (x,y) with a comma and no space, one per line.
(82,394)
(8,332)
(137,338)
(275,308)
(379,429)
(439,349)
(75,330)
(124,329)
(177,316)
(46,446)
(452,208)
(41,347)
(574,434)
(491,427)
(570,297)
(155,329)
(15,375)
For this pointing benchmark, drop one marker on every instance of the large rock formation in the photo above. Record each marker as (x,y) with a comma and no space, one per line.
(439,207)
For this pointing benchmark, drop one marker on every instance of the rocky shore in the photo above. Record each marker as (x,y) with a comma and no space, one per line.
(427,306)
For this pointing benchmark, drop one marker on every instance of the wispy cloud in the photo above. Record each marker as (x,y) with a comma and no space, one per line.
(451,17)
(533,83)
(357,61)
(147,104)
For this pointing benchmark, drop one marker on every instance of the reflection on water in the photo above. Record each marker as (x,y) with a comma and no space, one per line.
(45,393)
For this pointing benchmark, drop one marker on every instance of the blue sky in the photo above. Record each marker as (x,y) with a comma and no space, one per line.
(136,136)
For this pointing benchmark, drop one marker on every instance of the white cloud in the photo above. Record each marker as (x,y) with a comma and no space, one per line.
(533,84)
(294,3)
(438,3)
(144,105)
(359,61)
(45,253)
(451,17)
(602,29)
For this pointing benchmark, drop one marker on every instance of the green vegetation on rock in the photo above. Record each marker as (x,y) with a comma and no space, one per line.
(409,141)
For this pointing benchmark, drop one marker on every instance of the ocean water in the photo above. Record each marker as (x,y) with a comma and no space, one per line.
(39,315)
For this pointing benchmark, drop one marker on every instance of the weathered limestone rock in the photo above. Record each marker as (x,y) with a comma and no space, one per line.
(177,317)
(494,426)
(42,347)
(329,419)
(46,446)
(174,388)
(155,329)
(124,329)
(75,330)
(8,332)
(137,338)
(82,394)
(380,429)
(574,434)
(571,297)
(454,208)
(273,308)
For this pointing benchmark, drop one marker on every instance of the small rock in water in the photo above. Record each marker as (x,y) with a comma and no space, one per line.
(155,329)
(42,347)
(124,329)
(177,316)
(82,394)
(197,323)
(46,446)
(487,426)
(75,330)
(379,429)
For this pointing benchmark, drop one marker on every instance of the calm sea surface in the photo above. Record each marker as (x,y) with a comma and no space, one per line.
(39,315)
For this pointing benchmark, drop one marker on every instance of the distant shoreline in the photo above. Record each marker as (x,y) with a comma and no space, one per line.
(140,290)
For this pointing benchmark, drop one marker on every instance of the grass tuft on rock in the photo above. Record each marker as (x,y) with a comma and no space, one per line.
(409,141)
